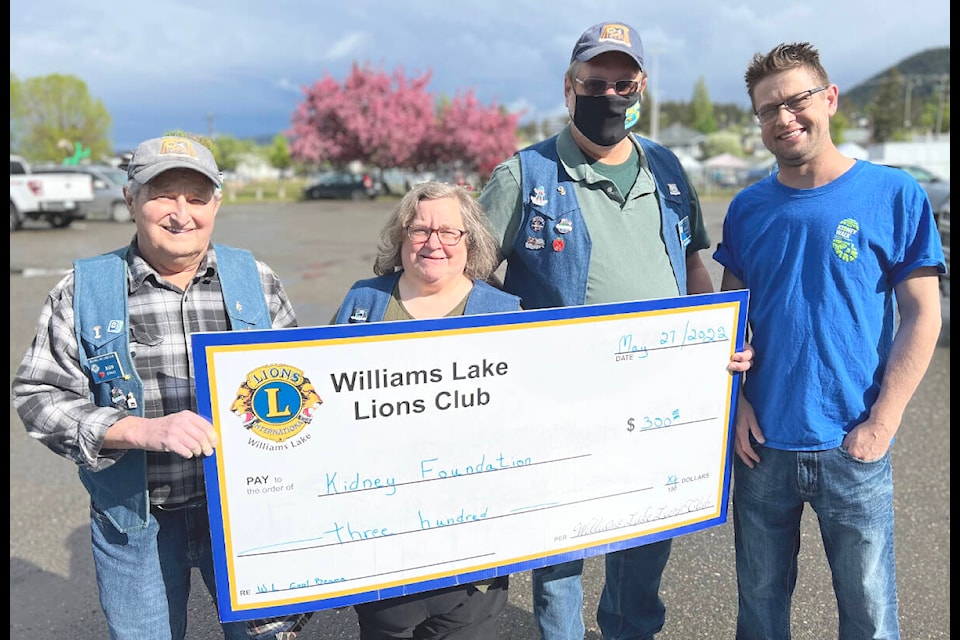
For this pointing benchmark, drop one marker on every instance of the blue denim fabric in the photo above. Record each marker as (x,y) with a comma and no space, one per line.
(853,501)
(144,575)
(558,601)
(630,607)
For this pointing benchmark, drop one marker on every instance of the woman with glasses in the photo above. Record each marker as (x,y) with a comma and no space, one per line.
(434,259)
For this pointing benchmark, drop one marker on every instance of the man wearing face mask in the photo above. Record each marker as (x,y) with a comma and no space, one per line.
(592,215)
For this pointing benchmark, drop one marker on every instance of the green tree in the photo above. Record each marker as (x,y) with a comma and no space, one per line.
(886,109)
(54,116)
(674,112)
(279,153)
(839,123)
(228,151)
(701,108)
(16,110)
(732,116)
(936,113)
(279,156)
(722,142)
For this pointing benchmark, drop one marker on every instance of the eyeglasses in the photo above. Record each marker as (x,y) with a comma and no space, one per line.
(796,104)
(599,86)
(448,237)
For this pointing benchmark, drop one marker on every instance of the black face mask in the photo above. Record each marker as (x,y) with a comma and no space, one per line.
(606,119)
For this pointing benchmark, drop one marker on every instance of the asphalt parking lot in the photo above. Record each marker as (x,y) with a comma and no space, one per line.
(319,249)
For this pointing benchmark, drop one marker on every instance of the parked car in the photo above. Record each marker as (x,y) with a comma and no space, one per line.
(938,189)
(108,202)
(943,225)
(52,197)
(342,184)
(396,182)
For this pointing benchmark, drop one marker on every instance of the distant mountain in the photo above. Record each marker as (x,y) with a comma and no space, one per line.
(926,72)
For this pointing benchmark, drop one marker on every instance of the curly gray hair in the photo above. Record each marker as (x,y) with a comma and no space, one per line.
(482,250)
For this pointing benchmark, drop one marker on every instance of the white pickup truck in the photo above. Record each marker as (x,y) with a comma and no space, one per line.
(53,197)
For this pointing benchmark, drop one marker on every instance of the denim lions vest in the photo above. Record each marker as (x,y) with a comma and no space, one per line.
(367,300)
(102,328)
(544,277)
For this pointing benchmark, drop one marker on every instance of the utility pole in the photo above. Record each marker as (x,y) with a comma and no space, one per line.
(655,98)
(210,129)
(908,88)
(942,86)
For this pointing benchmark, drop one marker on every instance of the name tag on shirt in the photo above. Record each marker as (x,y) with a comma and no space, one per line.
(683,230)
(106,367)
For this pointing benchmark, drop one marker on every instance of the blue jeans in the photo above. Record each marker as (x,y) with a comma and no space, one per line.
(853,501)
(144,575)
(558,601)
(630,607)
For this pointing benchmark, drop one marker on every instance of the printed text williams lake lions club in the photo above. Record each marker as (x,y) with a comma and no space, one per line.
(443,400)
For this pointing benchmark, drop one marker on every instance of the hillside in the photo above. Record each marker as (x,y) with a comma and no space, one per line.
(926,71)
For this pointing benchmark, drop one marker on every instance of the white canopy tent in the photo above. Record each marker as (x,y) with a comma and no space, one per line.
(853,150)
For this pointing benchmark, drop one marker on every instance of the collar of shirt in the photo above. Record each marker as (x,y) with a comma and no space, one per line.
(140,269)
(577,165)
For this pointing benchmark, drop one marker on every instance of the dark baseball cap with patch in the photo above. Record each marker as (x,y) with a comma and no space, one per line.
(153,157)
(608,36)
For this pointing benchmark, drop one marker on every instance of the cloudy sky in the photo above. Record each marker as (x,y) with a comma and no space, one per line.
(239,67)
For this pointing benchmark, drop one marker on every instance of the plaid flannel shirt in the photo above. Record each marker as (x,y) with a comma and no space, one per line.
(52,395)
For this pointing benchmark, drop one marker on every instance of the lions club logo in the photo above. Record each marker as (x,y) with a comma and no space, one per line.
(276,402)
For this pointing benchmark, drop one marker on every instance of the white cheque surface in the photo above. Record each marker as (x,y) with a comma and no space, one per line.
(355,465)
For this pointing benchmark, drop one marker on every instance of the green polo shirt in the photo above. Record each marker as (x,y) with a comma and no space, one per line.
(629,259)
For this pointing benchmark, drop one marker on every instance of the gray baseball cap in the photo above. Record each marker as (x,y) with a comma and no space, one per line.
(608,36)
(153,157)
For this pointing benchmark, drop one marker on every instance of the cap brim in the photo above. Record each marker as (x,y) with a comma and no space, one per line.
(589,54)
(146,174)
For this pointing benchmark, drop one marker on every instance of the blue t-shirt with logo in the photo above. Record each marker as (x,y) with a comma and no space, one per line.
(821,265)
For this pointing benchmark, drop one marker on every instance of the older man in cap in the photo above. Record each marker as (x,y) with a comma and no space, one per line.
(597,214)
(108,384)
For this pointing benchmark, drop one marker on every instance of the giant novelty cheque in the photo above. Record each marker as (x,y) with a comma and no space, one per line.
(365,461)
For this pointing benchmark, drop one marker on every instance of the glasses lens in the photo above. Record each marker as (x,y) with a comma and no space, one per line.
(449,236)
(594,86)
(799,103)
(599,86)
(446,236)
(794,105)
